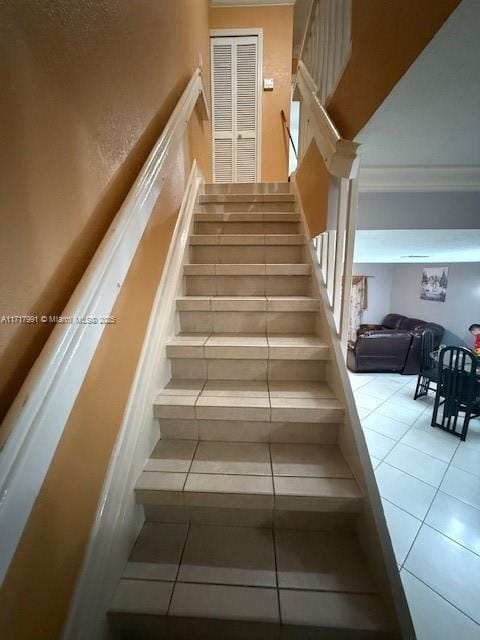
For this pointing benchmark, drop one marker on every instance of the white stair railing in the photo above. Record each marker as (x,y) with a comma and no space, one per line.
(327,44)
(324,53)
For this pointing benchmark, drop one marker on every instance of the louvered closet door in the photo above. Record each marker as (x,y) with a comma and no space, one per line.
(235,112)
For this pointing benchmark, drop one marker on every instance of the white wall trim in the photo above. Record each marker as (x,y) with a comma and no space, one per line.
(232,33)
(340,155)
(119,519)
(419,178)
(41,409)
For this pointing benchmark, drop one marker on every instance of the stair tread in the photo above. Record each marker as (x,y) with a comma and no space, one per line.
(249,402)
(248,346)
(234,573)
(248,388)
(304,470)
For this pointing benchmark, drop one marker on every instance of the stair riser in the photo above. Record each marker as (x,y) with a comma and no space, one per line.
(249,414)
(247,431)
(242,216)
(228,369)
(263,505)
(247,254)
(133,626)
(253,511)
(246,197)
(247,322)
(248,187)
(278,518)
(248,285)
(245,207)
(216,228)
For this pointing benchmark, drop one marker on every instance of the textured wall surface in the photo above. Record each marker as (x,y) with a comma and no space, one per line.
(109,75)
(87,87)
(277,25)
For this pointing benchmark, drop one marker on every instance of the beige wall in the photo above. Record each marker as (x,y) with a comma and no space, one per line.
(88,88)
(386,39)
(148,50)
(277,25)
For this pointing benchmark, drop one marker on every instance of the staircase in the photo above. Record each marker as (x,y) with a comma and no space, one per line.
(251,509)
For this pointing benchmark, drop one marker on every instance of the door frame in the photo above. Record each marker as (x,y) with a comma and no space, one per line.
(258,32)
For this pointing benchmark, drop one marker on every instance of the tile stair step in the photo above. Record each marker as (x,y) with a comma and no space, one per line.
(253,228)
(248,347)
(245,197)
(277,269)
(250,239)
(214,581)
(273,408)
(273,283)
(255,476)
(247,315)
(256,206)
(248,187)
(290,304)
(247,254)
(246,216)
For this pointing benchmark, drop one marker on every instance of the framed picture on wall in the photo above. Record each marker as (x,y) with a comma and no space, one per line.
(434,284)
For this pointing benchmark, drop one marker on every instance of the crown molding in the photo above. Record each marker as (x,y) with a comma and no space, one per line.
(419,178)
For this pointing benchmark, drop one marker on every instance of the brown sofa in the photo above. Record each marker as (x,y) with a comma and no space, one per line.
(393,346)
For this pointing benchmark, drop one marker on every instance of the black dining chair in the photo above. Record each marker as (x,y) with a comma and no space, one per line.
(428,369)
(458,391)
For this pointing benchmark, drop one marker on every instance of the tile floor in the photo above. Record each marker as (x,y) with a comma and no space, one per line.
(430,487)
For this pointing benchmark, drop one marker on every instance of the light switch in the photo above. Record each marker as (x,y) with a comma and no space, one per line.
(268,84)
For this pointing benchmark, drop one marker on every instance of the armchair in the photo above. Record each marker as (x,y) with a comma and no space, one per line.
(379,350)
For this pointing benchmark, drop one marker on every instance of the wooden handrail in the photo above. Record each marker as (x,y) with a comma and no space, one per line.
(285,124)
(308,26)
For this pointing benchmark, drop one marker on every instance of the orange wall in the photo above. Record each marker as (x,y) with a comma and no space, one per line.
(313,180)
(36,592)
(277,25)
(87,89)
(387,36)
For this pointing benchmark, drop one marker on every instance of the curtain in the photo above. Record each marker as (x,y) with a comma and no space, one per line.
(358,302)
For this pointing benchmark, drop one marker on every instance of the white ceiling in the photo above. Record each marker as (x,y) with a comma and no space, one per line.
(437,245)
(432,116)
